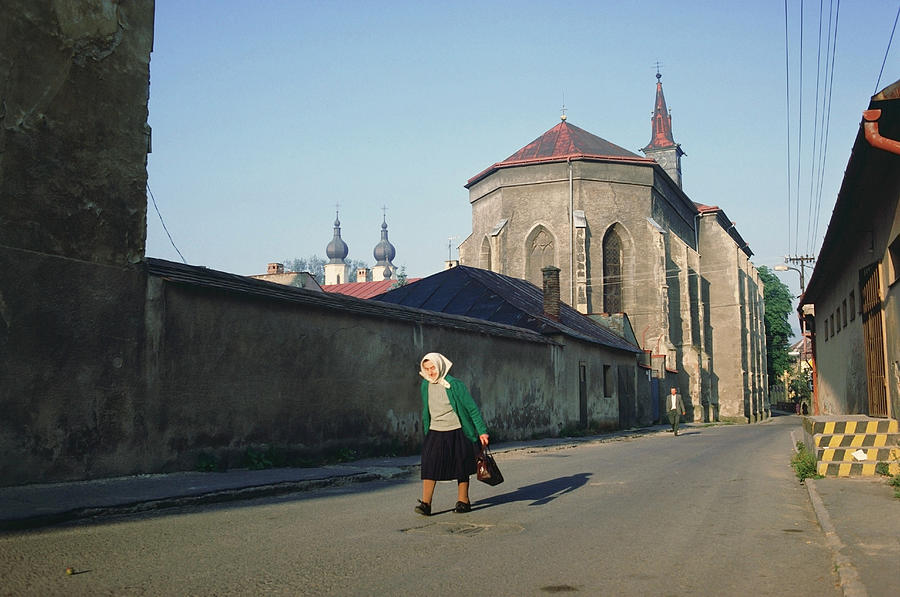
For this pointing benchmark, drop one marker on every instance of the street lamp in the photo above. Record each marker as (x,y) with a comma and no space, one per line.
(784,268)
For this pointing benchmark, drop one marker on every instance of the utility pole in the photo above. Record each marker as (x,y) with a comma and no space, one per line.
(800,260)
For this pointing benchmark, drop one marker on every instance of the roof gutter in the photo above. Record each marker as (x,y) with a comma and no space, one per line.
(870,126)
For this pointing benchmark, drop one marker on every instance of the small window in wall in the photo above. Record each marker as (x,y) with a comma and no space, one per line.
(852,305)
(844,315)
(831,325)
(837,315)
(607,381)
(894,254)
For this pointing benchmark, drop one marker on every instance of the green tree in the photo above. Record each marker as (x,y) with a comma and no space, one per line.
(402,279)
(315,265)
(778,299)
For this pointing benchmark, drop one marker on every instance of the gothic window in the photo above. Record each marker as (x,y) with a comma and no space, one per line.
(612,272)
(540,252)
(486,254)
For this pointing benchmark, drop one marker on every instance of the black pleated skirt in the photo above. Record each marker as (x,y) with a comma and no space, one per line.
(447,456)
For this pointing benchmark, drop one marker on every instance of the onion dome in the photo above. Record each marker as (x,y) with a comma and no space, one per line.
(337,250)
(384,252)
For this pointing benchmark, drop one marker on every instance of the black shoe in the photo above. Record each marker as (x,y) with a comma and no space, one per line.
(423,508)
(462,507)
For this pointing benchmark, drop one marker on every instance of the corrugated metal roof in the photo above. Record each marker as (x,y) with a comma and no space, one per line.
(202,277)
(363,290)
(490,296)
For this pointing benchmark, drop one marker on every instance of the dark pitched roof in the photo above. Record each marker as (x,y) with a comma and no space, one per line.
(490,296)
(564,141)
(201,277)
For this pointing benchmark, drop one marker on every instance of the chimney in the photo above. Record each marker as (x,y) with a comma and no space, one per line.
(451,263)
(275,268)
(551,291)
(362,274)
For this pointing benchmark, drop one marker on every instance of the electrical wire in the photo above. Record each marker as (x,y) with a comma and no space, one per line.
(787,93)
(799,131)
(813,163)
(156,207)
(818,210)
(886,51)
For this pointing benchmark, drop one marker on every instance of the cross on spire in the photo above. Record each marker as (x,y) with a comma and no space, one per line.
(658,64)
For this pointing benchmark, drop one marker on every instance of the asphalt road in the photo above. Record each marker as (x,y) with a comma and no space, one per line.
(715,511)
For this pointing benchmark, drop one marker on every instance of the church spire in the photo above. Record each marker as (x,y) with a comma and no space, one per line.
(662,146)
(336,270)
(337,250)
(661,136)
(384,254)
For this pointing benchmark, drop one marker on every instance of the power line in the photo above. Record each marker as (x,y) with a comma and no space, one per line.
(787,93)
(886,51)
(156,207)
(799,131)
(814,162)
(824,154)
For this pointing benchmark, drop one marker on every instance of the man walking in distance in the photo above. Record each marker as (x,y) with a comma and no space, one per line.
(676,408)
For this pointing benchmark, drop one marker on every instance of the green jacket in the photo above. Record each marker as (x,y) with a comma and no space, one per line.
(462,404)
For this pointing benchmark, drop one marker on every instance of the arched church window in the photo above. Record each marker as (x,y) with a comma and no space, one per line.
(612,272)
(486,254)
(541,252)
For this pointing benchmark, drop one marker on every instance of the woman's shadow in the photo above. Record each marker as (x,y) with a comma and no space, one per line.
(538,494)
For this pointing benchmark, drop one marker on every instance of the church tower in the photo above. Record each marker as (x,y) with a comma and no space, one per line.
(336,270)
(384,254)
(662,147)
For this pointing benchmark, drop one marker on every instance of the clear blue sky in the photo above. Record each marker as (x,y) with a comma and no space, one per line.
(267,114)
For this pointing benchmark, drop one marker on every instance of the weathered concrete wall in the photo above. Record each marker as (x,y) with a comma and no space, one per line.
(73,144)
(74,83)
(228,371)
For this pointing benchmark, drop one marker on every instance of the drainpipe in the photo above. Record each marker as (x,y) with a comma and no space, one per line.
(571,236)
(870,127)
(697,231)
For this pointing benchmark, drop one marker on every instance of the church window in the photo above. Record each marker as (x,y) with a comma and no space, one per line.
(541,252)
(486,254)
(612,272)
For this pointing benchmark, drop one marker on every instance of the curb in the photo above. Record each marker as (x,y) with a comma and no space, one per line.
(213,497)
(851,584)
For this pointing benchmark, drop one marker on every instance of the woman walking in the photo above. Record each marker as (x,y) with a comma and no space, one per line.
(453,425)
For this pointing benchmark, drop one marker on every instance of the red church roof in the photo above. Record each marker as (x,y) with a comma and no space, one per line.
(564,141)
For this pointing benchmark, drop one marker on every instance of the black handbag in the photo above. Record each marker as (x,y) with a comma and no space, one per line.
(486,468)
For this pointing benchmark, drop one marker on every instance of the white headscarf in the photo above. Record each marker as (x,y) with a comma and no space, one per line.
(441,363)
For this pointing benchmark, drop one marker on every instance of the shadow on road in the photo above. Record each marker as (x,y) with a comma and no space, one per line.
(538,494)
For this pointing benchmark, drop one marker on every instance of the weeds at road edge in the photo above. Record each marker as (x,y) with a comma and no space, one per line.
(895,483)
(804,463)
(884,469)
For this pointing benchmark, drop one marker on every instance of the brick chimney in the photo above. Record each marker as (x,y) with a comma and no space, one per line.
(275,268)
(551,291)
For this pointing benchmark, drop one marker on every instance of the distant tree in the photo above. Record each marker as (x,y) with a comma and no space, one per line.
(315,265)
(401,278)
(778,299)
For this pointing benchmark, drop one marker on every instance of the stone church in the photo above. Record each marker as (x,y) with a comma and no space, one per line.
(628,239)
